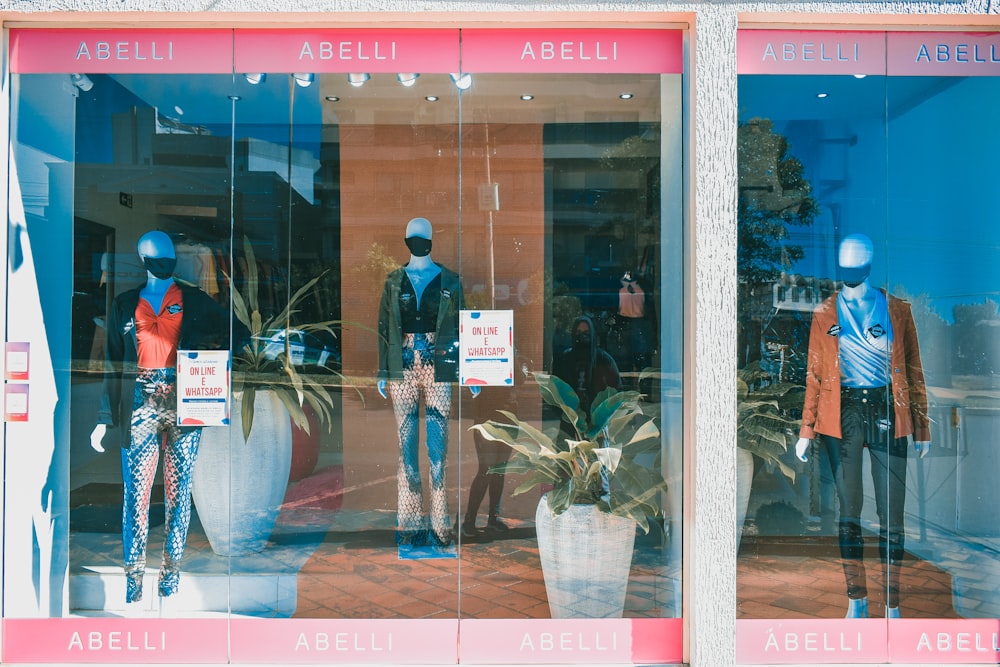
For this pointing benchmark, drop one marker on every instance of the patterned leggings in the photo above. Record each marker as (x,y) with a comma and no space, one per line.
(154,423)
(418,378)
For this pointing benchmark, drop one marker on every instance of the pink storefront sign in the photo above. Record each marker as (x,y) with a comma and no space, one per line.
(810,52)
(811,641)
(569,51)
(944,54)
(115,640)
(351,641)
(350,50)
(121,51)
(571,641)
(945,641)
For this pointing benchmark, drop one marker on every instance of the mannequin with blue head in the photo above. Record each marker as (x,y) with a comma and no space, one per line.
(865,391)
(146,327)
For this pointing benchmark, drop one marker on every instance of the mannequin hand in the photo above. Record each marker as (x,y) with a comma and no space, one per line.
(96,436)
(475,390)
(381,388)
(922,448)
(801,448)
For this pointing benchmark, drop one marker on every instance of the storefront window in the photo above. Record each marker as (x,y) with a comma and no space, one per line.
(866,301)
(529,181)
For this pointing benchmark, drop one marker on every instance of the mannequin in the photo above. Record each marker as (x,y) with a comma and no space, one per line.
(865,390)
(146,327)
(418,356)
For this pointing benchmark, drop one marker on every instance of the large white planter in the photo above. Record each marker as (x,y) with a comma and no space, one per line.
(238,485)
(586,555)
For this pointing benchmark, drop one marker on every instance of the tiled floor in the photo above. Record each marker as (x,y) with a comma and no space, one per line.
(791,579)
(359,575)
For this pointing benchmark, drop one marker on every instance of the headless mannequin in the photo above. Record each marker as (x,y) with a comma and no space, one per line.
(860,299)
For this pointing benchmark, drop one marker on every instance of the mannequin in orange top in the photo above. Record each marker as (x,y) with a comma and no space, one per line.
(146,327)
(865,390)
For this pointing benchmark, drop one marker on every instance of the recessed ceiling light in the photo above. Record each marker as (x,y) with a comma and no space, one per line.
(626,96)
(431,98)
(527,98)
(821,95)
(860,76)
(332,98)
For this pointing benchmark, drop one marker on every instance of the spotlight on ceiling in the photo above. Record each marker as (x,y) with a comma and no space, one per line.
(304,79)
(626,96)
(255,78)
(81,81)
(527,98)
(407,78)
(358,79)
(461,81)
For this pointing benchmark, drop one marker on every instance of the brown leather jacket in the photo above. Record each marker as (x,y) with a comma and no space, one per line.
(821,411)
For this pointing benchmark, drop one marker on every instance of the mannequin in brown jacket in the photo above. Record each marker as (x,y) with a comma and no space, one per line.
(865,390)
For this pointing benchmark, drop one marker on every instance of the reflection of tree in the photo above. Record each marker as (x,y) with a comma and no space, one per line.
(773,196)
(977,330)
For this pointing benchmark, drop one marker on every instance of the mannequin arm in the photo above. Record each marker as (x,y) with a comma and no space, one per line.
(922,447)
(97,436)
(802,448)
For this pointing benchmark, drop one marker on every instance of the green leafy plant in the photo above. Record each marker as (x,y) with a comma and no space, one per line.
(255,370)
(766,425)
(587,459)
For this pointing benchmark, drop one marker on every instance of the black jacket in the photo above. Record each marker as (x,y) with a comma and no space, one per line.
(205,326)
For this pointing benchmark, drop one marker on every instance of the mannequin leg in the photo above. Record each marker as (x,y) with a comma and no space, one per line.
(409,513)
(179,456)
(139,463)
(889,479)
(496,483)
(845,456)
(438,411)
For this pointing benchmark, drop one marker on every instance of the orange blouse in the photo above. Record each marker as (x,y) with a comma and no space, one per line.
(157,334)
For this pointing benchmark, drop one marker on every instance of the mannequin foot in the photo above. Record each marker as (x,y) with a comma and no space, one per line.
(857,608)
(133,586)
(892,612)
(170,579)
(497,524)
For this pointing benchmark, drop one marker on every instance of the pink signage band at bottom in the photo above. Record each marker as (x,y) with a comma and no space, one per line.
(571,641)
(115,640)
(874,640)
(338,640)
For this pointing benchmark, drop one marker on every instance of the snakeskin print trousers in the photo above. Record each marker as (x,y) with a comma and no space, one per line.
(418,380)
(154,427)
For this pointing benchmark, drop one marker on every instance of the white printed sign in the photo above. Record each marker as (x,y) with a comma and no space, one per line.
(203,387)
(486,341)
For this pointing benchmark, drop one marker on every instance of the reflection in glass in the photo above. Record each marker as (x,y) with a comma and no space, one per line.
(865,153)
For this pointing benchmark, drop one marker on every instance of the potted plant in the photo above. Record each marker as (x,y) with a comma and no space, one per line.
(598,492)
(242,472)
(766,427)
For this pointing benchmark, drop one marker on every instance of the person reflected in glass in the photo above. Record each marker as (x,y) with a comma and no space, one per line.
(865,390)
(488,455)
(585,366)
(418,324)
(146,327)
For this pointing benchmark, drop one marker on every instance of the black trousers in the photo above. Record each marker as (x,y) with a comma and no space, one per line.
(868,423)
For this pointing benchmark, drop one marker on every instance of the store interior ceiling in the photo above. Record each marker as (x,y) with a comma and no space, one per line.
(433,99)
